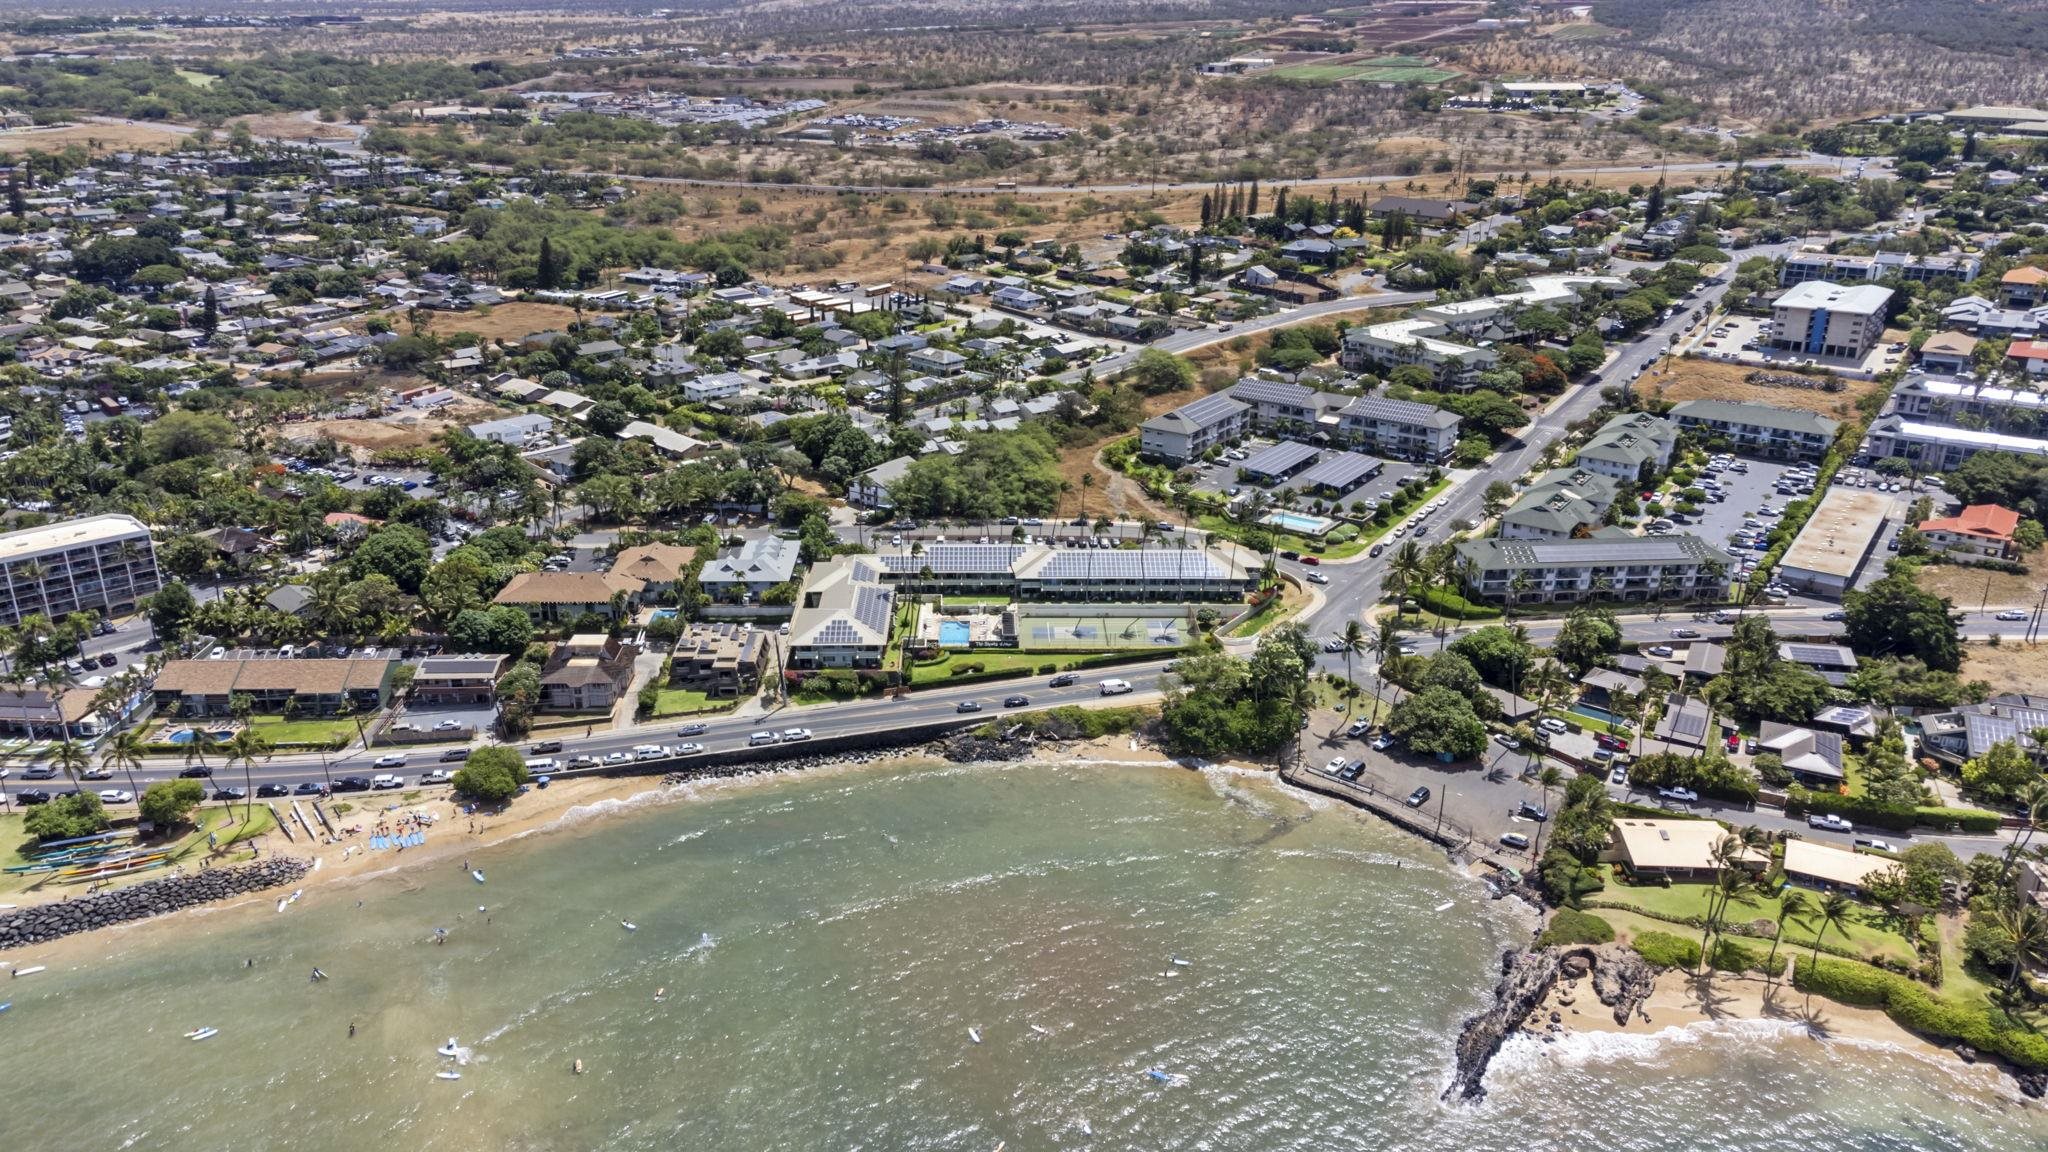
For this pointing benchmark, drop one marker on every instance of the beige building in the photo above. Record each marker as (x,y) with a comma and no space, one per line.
(1675,849)
(102,563)
(554,596)
(316,687)
(588,672)
(1826,866)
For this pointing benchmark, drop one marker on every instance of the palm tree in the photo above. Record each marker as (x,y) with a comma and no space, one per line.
(1406,566)
(1354,642)
(1299,697)
(1549,777)
(2035,798)
(1834,909)
(70,759)
(126,751)
(248,746)
(1727,857)
(2022,927)
(1792,905)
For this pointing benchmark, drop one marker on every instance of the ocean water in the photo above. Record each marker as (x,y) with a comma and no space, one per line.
(826,943)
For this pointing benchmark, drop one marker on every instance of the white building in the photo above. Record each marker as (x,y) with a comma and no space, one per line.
(102,563)
(1823,319)
(1609,566)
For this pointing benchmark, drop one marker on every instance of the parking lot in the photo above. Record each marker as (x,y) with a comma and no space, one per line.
(1746,340)
(1747,494)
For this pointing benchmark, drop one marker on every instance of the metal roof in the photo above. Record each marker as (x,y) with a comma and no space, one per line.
(1340,471)
(1279,459)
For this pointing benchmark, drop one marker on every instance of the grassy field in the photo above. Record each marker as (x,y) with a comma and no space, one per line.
(197,79)
(512,321)
(279,730)
(188,850)
(683,701)
(1391,70)
(1970,587)
(1868,931)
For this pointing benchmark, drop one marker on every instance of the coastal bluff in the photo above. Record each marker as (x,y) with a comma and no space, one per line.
(46,922)
(1622,980)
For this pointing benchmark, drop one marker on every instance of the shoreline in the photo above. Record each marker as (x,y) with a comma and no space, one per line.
(453,837)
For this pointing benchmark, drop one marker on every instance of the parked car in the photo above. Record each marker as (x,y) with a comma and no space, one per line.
(1682,795)
(268,790)
(1358,728)
(649,751)
(1382,742)
(1618,776)
(1610,741)
(1553,724)
(310,788)
(454,754)
(1515,840)
(689,748)
(225,794)
(792,735)
(1506,741)
(1352,770)
(1873,844)
(385,781)
(1829,822)
(352,784)
(437,776)
(1528,811)
(31,796)
(1419,797)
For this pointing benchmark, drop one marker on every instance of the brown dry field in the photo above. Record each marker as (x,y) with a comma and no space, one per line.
(293,128)
(405,429)
(2013,666)
(100,138)
(1967,587)
(513,321)
(1710,380)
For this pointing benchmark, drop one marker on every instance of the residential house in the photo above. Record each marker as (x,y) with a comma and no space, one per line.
(870,489)
(2023,288)
(1949,353)
(517,430)
(549,597)
(748,573)
(589,672)
(1815,758)
(719,659)
(842,616)
(717,386)
(1832,662)
(656,568)
(1830,868)
(457,681)
(1980,530)
(1674,849)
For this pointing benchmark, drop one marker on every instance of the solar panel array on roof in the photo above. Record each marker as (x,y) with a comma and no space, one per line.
(1647,551)
(1339,471)
(1820,654)
(1279,459)
(955,559)
(1272,392)
(1689,721)
(1395,411)
(1214,408)
(1127,564)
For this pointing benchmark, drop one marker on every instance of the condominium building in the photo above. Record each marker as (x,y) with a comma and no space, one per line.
(842,618)
(1560,504)
(1623,445)
(1825,319)
(1044,572)
(103,563)
(1940,400)
(1608,565)
(1938,447)
(1494,317)
(1192,429)
(1415,340)
(1401,429)
(1802,267)
(1759,429)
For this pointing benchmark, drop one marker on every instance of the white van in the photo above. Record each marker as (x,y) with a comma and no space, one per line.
(760,738)
(541,765)
(649,751)
(1114,687)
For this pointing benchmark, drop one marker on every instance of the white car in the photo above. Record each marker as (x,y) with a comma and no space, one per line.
(1828,822)
(649,751)
(437,776)
(760,738)
(115,796)
(1318,578)
(384,781)
(1334,766)
(1552,724)
(1661,650)
(792,735)
(1382,742)
(447,725)
(390,760)
(1682,795)
(2012,614)
(689,749)
(617,758)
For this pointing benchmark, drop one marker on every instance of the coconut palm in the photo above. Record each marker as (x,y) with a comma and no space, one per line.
(247,747)
(1406,566)
(1834,909)
(1793,905)
(126,751)
(70,759)
(2025,931)
(1728,877)
(1354,642)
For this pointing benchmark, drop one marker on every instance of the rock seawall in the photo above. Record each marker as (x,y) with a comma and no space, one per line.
(46,922)
(1621,979)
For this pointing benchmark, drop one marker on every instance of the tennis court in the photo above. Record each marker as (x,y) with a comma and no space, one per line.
(1118,627)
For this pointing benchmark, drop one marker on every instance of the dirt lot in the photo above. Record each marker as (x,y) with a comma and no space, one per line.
(293,128)
(1706,380)
(402,429)
(2013,666)
(514,321)
(1966,586)
(99,138)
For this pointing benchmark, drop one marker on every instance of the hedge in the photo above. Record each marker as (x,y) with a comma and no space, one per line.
(1968,819)
(1572,927)
(1731,955)
(1666,950)
(1913,1007)
(1799,801)
(1445,602)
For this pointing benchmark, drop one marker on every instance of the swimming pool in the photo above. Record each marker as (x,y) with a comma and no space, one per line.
(954,634)
(1299,522)
(188,735)
(662,614)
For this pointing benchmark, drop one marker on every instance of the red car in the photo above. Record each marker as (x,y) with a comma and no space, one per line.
(1610,742)
(1734,743)
(1311,560)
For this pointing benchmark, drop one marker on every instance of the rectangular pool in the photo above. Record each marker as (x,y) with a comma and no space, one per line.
(1299,522)
(954,634)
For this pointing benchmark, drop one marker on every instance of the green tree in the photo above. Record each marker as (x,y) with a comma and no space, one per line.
(1894,617)
(1438,721)
(67,817)
(168,802)
(2003,770)
(1586,635)
(1158,372)
(1792,905)
(491,775)
(170,609)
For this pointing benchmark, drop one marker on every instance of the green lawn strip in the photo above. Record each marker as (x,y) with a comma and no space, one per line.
(684,701)
(1592,724)
(279,730)
(999,665)
(952,601)
(1275,610)
(1865,931)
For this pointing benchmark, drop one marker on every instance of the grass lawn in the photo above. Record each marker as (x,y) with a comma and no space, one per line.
(974,601)
(682,701)
(927,673)
(1592,725)
(1277,609)
(1867,931)
(189,850)
(279,730)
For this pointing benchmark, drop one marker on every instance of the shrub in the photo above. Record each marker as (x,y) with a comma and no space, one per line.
(1570,927)
(1731,955)
(1844,981)
(1666,950)
(1897,818)
(1967,819)
(1445,602)
(491,774)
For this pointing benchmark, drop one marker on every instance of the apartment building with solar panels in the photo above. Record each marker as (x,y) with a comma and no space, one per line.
(1607,566)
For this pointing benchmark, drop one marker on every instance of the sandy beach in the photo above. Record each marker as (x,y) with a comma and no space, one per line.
(452,836)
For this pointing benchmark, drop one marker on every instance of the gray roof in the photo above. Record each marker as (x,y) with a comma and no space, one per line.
(1761,415)
(1400,412)
(1255,390)
(1279,459)
(1496,553)
(954,559)
(1207,412)
(771,560)
(1339,470)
